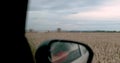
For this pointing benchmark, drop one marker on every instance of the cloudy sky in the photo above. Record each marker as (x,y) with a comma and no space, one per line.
(73,15)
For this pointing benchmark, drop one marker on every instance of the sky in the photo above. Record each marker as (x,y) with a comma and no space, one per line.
(79,15)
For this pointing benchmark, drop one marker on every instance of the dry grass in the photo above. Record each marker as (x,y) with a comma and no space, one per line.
(106,46)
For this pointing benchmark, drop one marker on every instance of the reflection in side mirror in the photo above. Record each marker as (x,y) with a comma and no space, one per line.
(64,51)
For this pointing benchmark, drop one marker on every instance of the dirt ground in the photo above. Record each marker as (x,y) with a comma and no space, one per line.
(106,46)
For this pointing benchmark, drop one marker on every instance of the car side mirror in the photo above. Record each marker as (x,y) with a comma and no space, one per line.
(63,51)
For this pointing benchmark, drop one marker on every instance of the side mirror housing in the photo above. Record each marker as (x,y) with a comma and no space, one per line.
(63,51)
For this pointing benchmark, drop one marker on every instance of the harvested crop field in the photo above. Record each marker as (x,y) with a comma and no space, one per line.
(106,46)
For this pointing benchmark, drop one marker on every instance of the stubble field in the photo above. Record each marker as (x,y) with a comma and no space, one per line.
(106,46)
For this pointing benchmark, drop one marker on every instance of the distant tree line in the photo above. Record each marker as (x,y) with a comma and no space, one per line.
(60,30)
(31,30)
(91,31)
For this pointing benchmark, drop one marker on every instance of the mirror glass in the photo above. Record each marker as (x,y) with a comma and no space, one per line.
(65,52)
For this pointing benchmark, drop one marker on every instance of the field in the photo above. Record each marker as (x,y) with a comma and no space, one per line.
(106,46)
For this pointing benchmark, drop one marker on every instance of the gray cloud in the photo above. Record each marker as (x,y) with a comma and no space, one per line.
(63,5)
(49,15)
